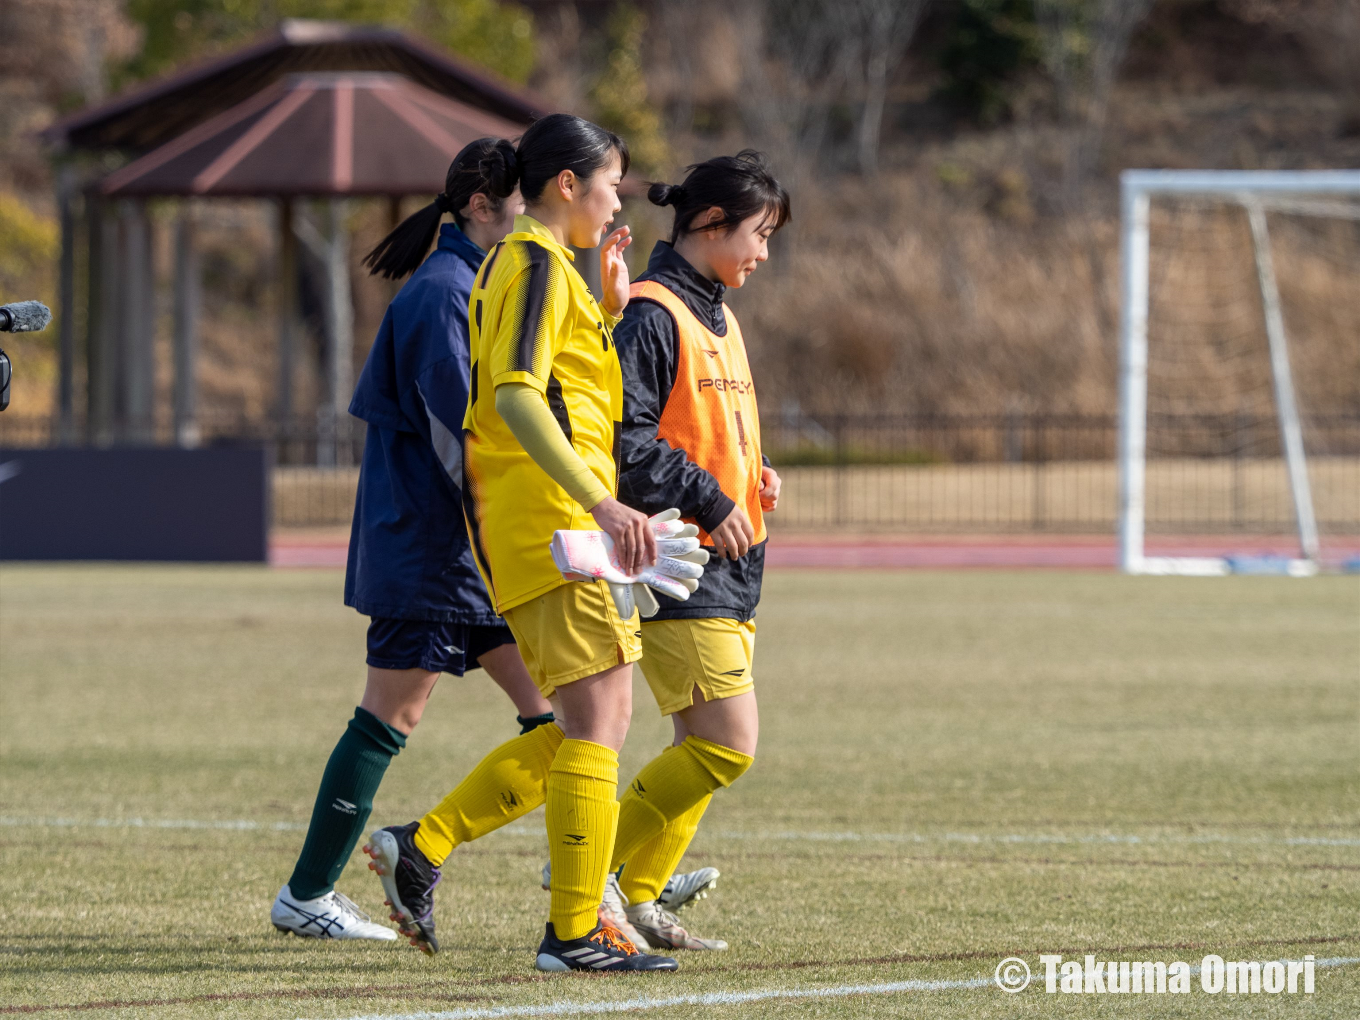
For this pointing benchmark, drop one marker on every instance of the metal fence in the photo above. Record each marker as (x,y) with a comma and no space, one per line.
(1206,474)
(980,474)
(302,441)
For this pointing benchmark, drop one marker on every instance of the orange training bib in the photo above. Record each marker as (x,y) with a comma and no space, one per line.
(711,413)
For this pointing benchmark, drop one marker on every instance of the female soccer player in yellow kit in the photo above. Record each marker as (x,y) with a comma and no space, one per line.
(691,439)
(541,429)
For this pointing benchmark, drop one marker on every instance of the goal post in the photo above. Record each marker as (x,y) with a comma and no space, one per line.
(1306,193)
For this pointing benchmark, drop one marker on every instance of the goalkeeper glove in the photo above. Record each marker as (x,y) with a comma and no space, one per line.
(590,555)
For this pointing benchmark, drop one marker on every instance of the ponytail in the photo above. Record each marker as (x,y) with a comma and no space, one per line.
(474,169)
(741,186)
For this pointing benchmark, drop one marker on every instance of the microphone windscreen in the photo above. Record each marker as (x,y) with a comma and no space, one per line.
(28,316)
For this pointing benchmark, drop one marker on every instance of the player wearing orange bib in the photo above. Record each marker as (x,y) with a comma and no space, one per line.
(691,439)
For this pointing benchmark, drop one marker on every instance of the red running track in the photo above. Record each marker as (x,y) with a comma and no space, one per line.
(899,552)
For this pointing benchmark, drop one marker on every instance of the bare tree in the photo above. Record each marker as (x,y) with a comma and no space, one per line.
(559,71)
(875,35)
(55,50)
(675,15)
(1084,42)
(800,70)
(1330,29)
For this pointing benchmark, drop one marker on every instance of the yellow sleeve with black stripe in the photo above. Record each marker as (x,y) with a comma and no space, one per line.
(530,330)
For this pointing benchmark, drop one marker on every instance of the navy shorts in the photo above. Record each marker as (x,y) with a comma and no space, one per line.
(436,647)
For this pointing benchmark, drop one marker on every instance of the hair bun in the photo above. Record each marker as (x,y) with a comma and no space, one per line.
(502,168)
(665,194)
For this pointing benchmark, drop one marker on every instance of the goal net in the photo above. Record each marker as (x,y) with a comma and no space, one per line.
(1240,370)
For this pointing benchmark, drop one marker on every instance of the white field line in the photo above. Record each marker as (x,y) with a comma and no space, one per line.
(569,1008)
(661,1002)
(965,837)
(240,824)
(999,838)
(1114,839)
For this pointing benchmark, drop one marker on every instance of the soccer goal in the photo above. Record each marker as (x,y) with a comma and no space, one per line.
(1240,306)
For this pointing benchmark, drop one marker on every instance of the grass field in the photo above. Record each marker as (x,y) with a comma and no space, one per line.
(954,769)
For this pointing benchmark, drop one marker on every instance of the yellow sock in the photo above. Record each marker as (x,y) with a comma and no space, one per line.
(651,865)
(509,782)
(668,786)
(582,814)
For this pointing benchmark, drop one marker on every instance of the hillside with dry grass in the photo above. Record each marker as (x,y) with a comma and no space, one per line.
(959,280)
(973,267)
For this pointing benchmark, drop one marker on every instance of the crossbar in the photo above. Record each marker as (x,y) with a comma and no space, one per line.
(1227,182)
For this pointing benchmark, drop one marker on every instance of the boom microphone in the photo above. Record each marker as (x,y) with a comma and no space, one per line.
(24,317)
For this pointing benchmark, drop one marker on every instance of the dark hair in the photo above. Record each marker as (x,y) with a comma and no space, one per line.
(557,142)
(402,251)
(741,186)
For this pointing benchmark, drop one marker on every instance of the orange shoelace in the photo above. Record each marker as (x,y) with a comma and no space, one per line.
(614,939)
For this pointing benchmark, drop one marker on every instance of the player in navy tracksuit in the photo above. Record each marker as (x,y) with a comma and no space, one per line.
(410,565)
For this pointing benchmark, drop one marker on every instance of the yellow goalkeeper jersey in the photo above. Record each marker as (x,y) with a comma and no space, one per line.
(533,320)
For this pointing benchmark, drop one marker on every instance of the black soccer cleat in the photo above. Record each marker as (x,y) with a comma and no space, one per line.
(409,879)
(604,949)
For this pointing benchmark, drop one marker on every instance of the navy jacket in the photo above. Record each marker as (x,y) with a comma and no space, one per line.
(409,556)
(653,475)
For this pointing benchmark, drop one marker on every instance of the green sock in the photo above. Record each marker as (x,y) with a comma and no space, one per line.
(342,804)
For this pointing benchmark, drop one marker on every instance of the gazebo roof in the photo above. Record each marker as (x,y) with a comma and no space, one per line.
(317,134)
(147,117)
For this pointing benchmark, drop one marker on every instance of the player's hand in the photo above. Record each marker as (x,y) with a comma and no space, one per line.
(614,272)
(634,539)
(733,537)
(770,484)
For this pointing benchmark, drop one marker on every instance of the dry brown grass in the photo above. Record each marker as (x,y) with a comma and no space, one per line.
(953,297)
(936,307)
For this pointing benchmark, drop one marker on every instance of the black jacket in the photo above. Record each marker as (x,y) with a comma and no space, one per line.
(653,475)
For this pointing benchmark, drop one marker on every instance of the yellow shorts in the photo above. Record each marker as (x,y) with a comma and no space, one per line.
(716,654)
(571,632)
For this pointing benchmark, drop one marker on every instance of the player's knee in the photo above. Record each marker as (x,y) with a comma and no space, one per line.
(380,734)
(725,764)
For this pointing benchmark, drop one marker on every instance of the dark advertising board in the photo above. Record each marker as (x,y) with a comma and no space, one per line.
(208,505)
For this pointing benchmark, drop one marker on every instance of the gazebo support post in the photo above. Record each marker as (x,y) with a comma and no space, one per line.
(66,310)
(334,447)
(101,296)
(393,221)
(187,302)
(138,324)
(288,320)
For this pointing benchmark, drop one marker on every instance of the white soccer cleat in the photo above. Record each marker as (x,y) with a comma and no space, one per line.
(682,890)
(613,912)
(663,930)
(333,916)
